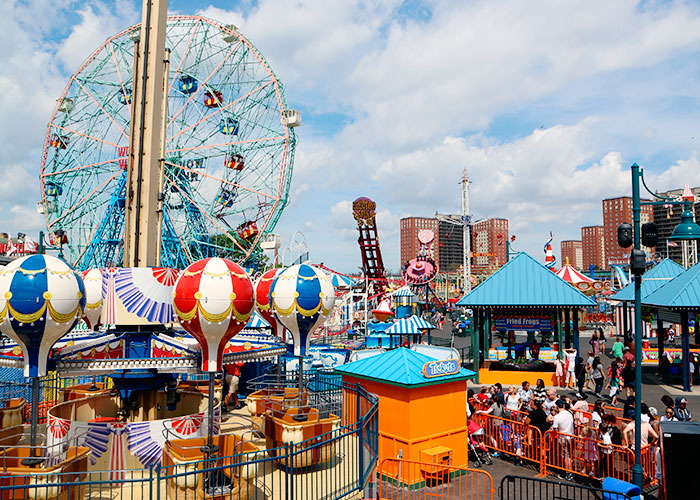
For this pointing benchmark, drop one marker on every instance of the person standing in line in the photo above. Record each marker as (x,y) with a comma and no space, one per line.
(598,375)
(595,346)
(513,403)
(681,412)
(570,367)
(539,393)
(617,348)
(559,371)
(525,394)
(563,424)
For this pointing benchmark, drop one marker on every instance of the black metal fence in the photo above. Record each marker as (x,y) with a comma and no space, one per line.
(530,488)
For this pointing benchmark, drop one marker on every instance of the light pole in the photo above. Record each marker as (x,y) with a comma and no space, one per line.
(686,230)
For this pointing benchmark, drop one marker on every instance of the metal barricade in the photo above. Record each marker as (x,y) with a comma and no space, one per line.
(406,479)
(591,458)
(512,437)
(530,488)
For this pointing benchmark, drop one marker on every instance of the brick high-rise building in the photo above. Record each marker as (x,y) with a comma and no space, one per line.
(667,218)
(593,245)
(409,237)
(450,245)
(573,251)
(615,212)
(489,245)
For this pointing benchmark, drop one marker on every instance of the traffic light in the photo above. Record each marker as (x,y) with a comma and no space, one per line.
(650,235)
(625,236)
(638,262)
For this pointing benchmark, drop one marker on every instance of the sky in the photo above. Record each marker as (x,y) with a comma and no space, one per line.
(546,103)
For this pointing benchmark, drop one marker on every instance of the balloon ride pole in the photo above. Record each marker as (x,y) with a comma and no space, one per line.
(211,448)
(141,207)
(300,417)
(33,459)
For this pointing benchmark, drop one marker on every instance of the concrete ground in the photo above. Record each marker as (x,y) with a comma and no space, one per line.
(652,390)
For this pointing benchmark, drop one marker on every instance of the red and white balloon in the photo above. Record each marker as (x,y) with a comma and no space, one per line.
(214,299)
(262,297)
(92,278)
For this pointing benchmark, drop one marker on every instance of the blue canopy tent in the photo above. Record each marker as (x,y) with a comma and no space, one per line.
(652,280)
(523,285)
(680,295)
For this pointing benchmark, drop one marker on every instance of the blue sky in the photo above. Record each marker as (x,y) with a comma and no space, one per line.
(547,103)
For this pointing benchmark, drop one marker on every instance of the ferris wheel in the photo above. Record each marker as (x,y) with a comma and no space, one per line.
(228,152)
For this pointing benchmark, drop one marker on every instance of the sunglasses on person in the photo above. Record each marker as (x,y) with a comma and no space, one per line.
(669,412)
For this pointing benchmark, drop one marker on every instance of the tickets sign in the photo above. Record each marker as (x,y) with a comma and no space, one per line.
(434,369)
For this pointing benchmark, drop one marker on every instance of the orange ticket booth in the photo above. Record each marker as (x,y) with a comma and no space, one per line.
(422,407)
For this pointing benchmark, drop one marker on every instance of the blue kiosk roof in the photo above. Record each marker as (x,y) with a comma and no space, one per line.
(682,292)
(524,282)
(653,279)
(401,367)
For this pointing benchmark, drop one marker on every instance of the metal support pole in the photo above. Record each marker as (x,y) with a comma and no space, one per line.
(477,337)
(574,313)
(210,448)
(300,417)
(685,342)
(625,327)
(637,470)
(34,459)
(660,333)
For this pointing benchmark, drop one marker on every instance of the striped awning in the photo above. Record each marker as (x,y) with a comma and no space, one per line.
(257,321)
(403,292)
(403,326)
(420,323)
(340,281)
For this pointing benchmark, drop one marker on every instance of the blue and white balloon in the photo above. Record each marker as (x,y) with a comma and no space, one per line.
(302,297)
(41,299)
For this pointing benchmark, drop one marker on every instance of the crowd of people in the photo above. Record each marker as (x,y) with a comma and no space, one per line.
(600,429)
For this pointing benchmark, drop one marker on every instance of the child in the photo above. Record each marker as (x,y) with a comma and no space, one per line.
(614,380)
(590,451)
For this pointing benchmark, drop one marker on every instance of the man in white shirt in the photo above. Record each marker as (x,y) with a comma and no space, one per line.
(564,424)
(550,401)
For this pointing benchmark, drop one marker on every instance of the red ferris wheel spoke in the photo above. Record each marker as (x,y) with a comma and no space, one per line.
(204,213)
(184,56)
(84,135)
(83,167)
(223,145)
(194,94)
(103,109)
(219,110)
(209,176)
(119,74)
(94,191)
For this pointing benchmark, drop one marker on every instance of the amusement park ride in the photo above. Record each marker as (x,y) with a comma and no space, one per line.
(171,148)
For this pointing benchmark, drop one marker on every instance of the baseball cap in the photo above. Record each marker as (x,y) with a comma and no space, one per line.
(653,411)
(626,349)
(559,403)
(682,400)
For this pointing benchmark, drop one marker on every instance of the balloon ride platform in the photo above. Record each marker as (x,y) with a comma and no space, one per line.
(128,405)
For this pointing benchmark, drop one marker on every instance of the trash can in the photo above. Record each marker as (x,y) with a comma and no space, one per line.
(612,486)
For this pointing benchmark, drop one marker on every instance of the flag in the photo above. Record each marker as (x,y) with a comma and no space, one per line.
(670,243)
(549,259)
(11,248)
(29,245)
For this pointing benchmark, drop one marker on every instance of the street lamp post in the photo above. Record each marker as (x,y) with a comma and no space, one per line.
(637,470)
(686,230)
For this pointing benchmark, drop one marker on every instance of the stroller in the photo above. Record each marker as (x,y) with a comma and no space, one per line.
(478,452)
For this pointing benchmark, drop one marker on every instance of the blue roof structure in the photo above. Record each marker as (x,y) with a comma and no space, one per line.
(653,279)
(412,325)
(524,282)
(403,292)
(257,321)
(682,292)
(401,367)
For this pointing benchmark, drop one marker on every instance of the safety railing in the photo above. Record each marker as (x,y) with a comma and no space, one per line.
(511,437)
(588,457)
(406,479)
(563,453)
(530,488)
(330,465)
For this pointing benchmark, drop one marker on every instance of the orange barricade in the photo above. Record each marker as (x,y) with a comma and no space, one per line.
(406,479)
(512,437)
(589,457)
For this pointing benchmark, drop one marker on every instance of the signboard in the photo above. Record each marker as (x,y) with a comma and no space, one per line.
(363,210)
(434,369)
(528,323)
